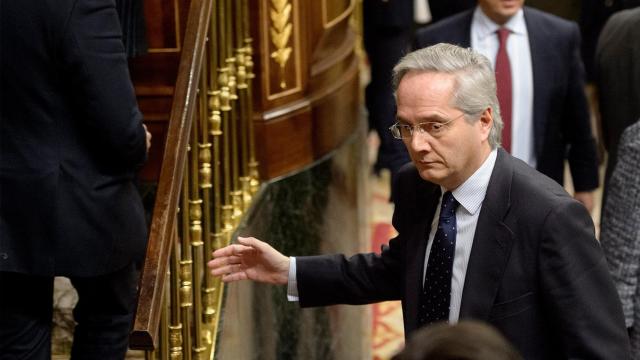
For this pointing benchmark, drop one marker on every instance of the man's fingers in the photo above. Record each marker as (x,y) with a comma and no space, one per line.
(230,250)
(227,269)
(251,241)
(221,270)
(225,260)
(234,277)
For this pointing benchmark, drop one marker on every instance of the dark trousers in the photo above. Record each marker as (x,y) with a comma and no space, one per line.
(103,314)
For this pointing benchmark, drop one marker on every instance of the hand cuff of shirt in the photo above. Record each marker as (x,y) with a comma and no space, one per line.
(292,286)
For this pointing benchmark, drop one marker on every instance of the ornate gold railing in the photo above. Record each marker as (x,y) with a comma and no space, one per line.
(207,180)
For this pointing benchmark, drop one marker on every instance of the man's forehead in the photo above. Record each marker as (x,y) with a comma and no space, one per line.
(428,75)
(418,84)
(425,88)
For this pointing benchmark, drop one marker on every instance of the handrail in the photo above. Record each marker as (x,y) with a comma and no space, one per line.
(152,282)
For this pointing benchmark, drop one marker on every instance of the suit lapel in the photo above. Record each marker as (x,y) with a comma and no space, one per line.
(417,249)
(541,60)
(491,244)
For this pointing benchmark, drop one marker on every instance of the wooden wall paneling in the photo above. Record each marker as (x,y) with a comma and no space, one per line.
(284,142)
(154,74)
(323,67)
(334,11)
(336,115)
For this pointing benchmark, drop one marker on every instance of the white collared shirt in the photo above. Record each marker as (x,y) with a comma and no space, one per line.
(485,41)
(470,196)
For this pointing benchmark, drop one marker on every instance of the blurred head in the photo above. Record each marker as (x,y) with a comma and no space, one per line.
(500,11)
(467,340)
(453,91)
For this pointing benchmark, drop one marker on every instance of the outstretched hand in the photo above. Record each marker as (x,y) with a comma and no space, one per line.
(251,259)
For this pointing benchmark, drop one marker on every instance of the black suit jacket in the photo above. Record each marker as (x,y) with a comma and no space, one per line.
(561,125)
(71,139)
(618,78)
(536,271)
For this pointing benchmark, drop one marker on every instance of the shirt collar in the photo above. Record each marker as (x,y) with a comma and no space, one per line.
(487,27)
(471,193)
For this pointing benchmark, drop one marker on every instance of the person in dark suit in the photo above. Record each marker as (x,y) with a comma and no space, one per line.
(593,17)
(618,80)
(481,235)
(71,139)
(387,29)
(550,116)
(441,9)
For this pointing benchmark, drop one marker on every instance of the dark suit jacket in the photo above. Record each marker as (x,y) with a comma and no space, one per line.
(536,271)
(618,78)
(71,139)
(561,124)
(593,16)
(388,14)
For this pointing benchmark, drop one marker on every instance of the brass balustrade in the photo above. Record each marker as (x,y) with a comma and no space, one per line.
(207,180)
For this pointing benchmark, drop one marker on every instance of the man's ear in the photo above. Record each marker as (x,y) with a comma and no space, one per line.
(486,121)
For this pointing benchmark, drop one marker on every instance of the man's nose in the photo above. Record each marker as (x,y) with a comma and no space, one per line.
(419,142)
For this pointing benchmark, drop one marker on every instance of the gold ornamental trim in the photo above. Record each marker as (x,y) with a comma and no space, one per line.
(280,31)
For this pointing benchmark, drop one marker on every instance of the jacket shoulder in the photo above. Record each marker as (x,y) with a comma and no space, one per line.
(534,190)
(450,30)
(539,20)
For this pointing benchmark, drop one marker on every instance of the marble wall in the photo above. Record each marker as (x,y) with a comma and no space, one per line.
(321,209)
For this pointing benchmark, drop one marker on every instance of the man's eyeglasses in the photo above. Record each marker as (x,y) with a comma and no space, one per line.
(433,128)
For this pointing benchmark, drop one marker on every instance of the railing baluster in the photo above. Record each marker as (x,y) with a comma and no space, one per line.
(213,145)
(163,351)
(175,324)
(186,265)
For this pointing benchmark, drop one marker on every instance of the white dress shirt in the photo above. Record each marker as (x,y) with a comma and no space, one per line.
(485,41)
(470,196)
(421,11)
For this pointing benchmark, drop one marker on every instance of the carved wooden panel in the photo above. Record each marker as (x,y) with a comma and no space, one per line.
(279,54)
(305,54)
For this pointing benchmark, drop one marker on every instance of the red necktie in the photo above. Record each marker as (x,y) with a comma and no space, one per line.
(503,79)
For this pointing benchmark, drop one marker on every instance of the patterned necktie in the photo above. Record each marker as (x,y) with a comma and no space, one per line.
(503,80)
(436,292)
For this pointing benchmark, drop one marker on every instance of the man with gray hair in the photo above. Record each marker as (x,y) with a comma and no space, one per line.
(481,235)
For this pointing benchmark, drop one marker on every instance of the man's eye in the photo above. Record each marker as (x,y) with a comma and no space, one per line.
(436,127)
(405,129)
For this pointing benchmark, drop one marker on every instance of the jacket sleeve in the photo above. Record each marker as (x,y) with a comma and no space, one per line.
(577,287)
(582,148)
(360,279)
(363,278)
(93,55)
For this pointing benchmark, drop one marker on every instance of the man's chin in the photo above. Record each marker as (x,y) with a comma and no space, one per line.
(430,174)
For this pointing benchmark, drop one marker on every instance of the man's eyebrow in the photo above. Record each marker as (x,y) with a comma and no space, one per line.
(433,118)
(400,120)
